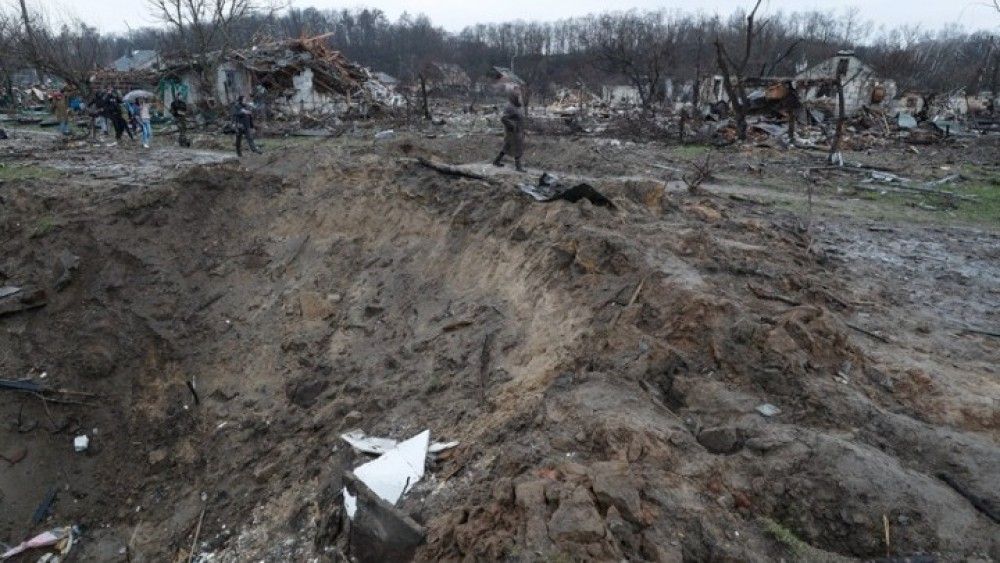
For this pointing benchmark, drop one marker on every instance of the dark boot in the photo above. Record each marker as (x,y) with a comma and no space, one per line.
(498,162)
(517,165)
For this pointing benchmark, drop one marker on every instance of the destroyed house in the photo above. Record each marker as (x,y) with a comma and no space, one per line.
(621,95)
(445,78)
(863,87)
(295,76)
(504,79)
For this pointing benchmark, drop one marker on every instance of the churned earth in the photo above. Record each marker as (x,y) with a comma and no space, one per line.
(609,372)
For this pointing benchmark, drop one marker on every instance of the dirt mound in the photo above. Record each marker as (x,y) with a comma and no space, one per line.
(602,368)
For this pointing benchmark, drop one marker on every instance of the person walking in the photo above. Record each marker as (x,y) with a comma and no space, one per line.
(243,120)
(144,122)
(179,110)
(113,112)
(513,126)
(61,108)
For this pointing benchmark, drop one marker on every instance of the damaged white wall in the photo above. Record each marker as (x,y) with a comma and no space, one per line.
(860,82)
(305,98)
(621,95)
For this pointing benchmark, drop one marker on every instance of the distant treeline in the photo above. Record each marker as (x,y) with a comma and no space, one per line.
(641,48)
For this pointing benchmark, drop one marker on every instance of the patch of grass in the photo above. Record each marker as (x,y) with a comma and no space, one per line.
(986,208)
(44,226)
(690,151)
(799,548)
(14,172)
(785,536)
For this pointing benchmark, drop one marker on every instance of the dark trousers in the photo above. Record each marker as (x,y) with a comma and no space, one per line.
(182,128)
(118,122)
(241,133)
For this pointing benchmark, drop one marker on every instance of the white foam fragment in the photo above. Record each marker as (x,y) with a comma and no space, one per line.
(394,472)
(369,444)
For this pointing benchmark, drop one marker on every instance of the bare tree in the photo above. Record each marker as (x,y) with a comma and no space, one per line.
(202,31)
(730,70)
(638,47)
(9,38)
(71,54)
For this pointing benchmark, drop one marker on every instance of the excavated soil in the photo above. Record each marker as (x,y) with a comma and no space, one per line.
(601,367)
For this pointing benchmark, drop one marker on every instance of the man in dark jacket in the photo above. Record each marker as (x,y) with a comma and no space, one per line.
(243,120)
(112,111)
(513,125)
(179,110)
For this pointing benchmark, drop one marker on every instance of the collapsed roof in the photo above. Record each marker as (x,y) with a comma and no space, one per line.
(278,63)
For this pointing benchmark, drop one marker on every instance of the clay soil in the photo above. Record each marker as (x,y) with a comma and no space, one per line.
(602,368)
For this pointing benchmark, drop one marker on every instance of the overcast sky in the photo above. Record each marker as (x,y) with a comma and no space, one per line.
(119,15)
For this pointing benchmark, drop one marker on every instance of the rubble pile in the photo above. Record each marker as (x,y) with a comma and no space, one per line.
(279,66)
(570,102)
(279,63)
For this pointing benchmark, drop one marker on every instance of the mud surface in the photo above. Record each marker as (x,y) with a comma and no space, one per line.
(602,368)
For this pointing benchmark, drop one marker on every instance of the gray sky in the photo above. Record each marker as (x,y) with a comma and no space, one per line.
(118,15)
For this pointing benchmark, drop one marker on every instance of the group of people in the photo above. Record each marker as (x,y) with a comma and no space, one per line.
(108,108)
(124,116)
(133,117)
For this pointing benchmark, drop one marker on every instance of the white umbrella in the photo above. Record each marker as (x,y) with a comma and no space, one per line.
(138,94)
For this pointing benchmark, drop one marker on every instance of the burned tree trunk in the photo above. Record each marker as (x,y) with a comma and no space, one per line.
(739,110)
(423,98)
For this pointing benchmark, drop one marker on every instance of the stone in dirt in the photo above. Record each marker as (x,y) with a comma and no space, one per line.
(721,440)
(530,496)
(614,487)
(577,519)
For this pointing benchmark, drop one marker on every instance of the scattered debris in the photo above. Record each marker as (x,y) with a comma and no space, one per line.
(768,410)
(44,508)
(549,189)
(49,394)
(81,443)
(22,300)
(7,291)
(369,444)
(60,538)
(378,446)
(394,472)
